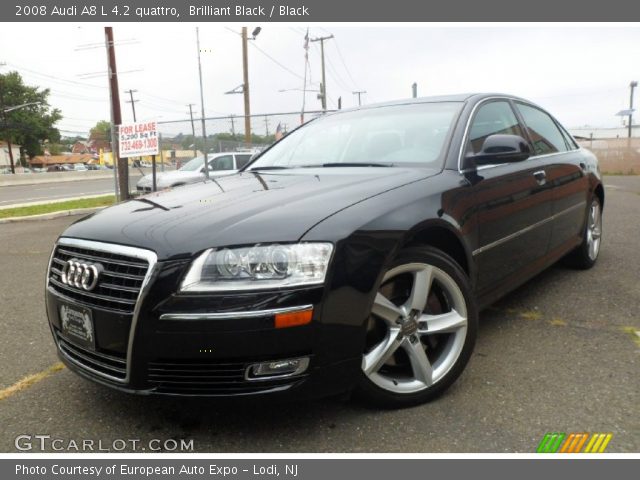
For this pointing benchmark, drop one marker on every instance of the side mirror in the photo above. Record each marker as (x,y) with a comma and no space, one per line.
(498,149)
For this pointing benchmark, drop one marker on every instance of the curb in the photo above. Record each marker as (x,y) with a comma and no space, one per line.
(52,215)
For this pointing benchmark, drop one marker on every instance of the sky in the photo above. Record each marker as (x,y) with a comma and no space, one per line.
(580,73)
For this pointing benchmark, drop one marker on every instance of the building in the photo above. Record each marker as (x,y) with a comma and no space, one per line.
(44,161)
(5,161)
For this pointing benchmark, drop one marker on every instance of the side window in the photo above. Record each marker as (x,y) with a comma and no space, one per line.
(222,163)
(242,160)
(492,118)
(544,133)
(571,143)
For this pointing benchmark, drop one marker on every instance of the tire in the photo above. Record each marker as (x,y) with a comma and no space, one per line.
(410,356)
(586,254)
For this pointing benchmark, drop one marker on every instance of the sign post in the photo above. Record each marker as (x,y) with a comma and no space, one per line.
(138,140)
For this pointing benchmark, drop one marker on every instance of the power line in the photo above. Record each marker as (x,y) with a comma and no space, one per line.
(53,77)
(276,61)
(344,64)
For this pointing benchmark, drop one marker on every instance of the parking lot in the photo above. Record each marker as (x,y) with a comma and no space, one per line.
(559,354)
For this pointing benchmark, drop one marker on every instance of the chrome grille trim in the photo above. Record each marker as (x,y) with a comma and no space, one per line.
(95,362)
(124,301)
(121,279)
(110,248)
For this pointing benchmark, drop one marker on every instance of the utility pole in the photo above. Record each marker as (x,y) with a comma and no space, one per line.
(632,86)
(132,102)
(359,93)
(204,128)
(116,118)
(323,86)
(193,130)
(266,126)
(245,87)
(6,126)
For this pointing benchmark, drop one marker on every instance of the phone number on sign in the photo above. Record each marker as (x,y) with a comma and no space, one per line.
(139,144)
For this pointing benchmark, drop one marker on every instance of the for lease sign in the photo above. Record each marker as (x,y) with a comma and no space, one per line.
(138,139)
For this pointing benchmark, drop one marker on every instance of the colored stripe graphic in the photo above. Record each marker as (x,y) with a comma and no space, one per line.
(555,442)
(550,443)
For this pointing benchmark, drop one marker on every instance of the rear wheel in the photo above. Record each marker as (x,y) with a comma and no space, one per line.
(421,330)
(586,254)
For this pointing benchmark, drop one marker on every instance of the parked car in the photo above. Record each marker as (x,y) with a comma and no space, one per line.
(354,254)
(193,171)
(59,168)
(93,166)
(80,167)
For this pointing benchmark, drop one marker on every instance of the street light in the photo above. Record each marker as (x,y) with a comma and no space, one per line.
(632,85)
(11,109)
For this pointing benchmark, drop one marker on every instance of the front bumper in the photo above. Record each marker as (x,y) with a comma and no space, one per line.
(151,351)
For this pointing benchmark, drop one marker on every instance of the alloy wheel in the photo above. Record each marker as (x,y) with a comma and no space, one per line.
(417,329)
(594,229)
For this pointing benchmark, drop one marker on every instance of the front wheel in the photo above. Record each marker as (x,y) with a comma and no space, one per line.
(421,330)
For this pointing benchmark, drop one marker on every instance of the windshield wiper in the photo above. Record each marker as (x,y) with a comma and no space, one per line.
(348,164)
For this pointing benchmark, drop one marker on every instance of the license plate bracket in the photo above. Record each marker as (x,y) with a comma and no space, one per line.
(77,325)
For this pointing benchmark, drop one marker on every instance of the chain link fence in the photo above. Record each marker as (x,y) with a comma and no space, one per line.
(617,156)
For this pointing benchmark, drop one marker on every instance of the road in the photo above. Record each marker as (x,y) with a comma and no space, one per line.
(44,192)
(558,354)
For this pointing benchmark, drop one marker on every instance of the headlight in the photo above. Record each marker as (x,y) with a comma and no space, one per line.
(258,267)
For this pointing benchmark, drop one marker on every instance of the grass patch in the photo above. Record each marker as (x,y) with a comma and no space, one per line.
(620,173)
(58,207)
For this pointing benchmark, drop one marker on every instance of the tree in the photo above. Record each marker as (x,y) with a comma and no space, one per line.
(31,125)
(101,131)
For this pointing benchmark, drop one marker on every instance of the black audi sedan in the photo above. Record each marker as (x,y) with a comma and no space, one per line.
(352,255)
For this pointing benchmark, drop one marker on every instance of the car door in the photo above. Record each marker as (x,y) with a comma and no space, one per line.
(242,159)
(513,203)
(565,172)
(221,165)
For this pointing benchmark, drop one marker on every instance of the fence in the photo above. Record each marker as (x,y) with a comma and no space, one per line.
(617,156)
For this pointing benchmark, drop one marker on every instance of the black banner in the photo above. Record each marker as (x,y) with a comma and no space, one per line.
(317,11)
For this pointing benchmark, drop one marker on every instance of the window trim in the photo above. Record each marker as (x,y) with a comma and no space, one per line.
(511,100)
(562,131)
(467,129)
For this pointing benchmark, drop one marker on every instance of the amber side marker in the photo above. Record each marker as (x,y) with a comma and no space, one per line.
(293,319)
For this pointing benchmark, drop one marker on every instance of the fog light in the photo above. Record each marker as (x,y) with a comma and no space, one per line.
(277,369)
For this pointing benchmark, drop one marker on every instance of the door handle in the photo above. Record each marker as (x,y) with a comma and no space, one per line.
(540,176)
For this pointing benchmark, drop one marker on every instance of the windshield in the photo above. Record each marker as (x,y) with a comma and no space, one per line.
(395,135)
(193,165)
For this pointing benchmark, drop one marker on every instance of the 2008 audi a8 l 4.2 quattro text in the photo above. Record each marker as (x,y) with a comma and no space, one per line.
(354,254)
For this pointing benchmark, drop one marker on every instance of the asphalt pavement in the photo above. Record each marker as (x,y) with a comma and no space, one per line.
(560,354)
(44,192)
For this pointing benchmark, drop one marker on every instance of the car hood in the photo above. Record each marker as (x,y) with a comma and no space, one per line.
(166,179)
(245,208)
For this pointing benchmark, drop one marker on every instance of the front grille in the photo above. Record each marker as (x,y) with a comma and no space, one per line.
(119,283)
(202,377)
(106,365)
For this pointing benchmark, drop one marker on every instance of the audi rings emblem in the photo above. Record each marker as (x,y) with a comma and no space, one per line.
(80,274)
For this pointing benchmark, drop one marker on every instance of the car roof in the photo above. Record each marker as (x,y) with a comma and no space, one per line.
(461,97)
